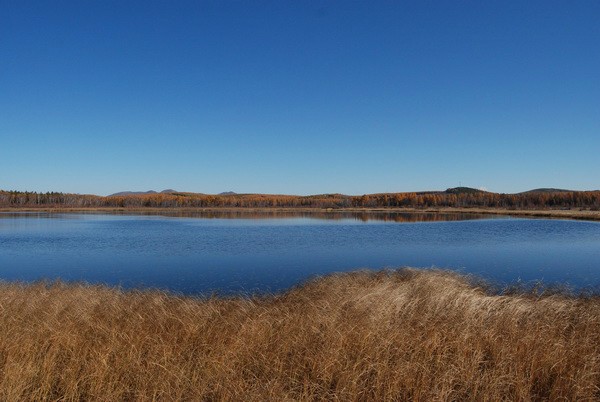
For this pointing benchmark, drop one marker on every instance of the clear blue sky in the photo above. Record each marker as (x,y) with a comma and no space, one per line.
(299,97)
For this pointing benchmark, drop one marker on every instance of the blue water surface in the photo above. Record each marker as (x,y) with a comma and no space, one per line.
(195,255)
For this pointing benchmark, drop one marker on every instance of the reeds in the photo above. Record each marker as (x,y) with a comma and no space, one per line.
(390,335)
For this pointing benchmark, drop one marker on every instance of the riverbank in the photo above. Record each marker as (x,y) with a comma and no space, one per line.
(592,215)
(402,335)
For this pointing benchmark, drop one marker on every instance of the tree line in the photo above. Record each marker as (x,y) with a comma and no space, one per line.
(481,199)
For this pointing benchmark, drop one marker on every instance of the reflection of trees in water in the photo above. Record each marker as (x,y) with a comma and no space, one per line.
(418,217)
(358,216)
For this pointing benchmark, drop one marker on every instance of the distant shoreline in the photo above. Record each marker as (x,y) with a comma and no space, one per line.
(538,213)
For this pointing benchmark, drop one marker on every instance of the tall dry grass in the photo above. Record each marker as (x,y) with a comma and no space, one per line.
(394,335)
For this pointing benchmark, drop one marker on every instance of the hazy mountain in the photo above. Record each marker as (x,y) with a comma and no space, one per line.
(453,190)
(126,193)
(464,190)
(547,190)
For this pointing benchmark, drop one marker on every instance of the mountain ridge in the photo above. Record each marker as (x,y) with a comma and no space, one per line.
(126,193)
(451,190)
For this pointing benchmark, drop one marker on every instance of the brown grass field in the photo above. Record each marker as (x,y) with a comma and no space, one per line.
(391,335)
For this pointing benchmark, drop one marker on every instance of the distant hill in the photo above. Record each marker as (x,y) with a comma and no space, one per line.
(464,190)
(453,190)
(547,190)
(126,193)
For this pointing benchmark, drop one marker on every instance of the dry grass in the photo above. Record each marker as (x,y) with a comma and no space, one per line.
(393,335)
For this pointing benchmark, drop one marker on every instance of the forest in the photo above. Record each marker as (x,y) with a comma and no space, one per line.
(456,197)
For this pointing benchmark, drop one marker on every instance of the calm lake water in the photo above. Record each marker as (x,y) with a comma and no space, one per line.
(248,253)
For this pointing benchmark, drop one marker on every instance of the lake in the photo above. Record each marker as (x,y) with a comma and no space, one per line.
(243,252)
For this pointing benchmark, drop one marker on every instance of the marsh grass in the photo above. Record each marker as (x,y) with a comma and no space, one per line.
(390,335)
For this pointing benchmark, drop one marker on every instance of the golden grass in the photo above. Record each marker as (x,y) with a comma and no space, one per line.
(391,335)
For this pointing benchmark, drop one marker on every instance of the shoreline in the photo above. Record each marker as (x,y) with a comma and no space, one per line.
(537,213)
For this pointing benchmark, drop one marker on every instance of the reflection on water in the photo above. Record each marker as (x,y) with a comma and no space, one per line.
(359,216)
(233,251)
(250,214)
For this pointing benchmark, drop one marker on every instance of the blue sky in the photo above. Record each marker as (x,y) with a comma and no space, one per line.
(299,97)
